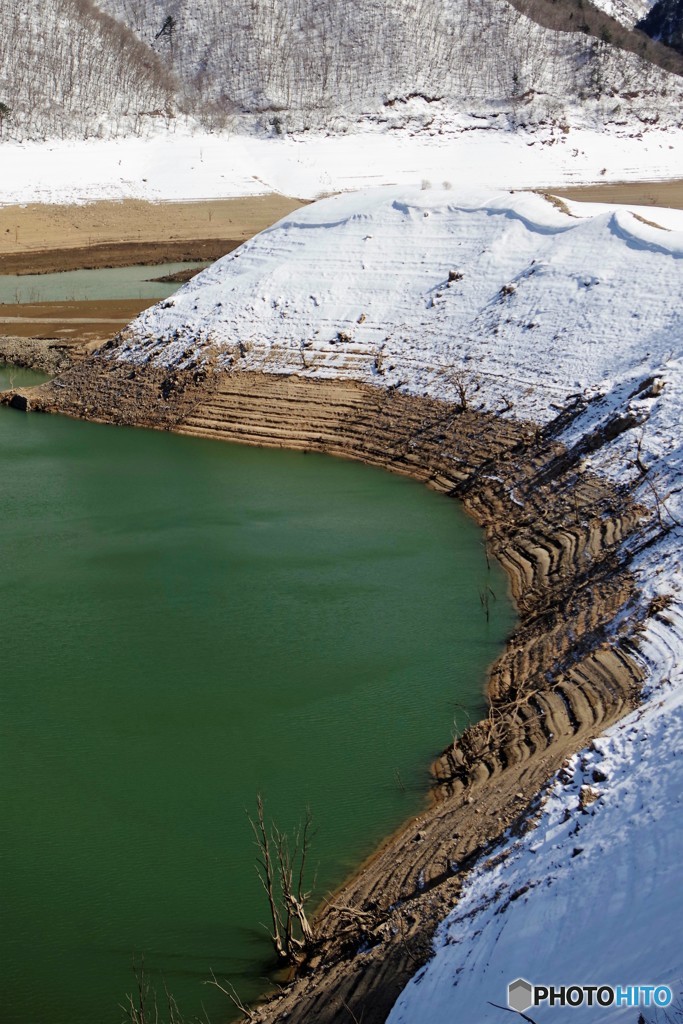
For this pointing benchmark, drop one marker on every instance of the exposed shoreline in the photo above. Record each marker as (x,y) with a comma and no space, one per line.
(566,673)
(563,678)
(43,238)
(116,254)
(80,325)
(633,193)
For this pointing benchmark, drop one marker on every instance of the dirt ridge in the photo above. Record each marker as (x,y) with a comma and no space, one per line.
(116,254)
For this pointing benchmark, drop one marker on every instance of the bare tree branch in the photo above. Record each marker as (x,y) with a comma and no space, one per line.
(281,862)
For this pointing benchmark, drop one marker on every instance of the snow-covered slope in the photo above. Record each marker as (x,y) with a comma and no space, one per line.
(66,69)
(590,897)
(593,894)
(419,280)
(525,305)
(299,64)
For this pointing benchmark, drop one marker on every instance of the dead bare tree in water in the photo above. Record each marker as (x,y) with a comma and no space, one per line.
(484,599)
(281,868)
(142,1007)
(231,992)
(145,1006)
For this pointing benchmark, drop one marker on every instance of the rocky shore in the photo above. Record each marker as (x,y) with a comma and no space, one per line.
(45,356)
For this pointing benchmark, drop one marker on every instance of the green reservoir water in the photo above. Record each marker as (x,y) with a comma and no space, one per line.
(81,285)
(17,377)
(184,624)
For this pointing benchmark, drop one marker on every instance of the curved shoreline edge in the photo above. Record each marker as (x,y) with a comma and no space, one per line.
(569,670)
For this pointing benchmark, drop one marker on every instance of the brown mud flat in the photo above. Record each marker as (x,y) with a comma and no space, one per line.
(116,254)
(565,675)
(179,277)
(81,322)
(43,238)
(636,193)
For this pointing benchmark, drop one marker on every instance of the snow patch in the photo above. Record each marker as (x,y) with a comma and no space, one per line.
(184,165)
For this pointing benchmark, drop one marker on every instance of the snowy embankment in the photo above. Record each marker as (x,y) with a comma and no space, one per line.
(592,895)
(398,286)
(206,166)
(526,306)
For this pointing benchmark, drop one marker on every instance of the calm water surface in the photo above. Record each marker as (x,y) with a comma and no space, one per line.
(183,624)
(17,377)
(80,285)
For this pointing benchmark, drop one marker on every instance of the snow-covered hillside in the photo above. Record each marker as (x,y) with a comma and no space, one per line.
(76,68)
(592,895)
(67,69)
(418,280)
(295,55)
(525,305)
(298,64)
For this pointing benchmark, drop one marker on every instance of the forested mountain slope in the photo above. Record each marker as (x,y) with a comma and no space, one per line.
(70,68)
(301,63)
(610,21)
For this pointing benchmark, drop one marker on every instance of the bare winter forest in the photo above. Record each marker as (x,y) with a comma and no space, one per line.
(71,68)
(68,69)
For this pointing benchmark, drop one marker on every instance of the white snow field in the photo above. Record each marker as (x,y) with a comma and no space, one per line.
(541,305)
(186,165)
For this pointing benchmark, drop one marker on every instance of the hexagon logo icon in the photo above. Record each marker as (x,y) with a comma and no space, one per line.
(520,995)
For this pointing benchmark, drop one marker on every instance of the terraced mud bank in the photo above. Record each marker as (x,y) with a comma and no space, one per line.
(570,668)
